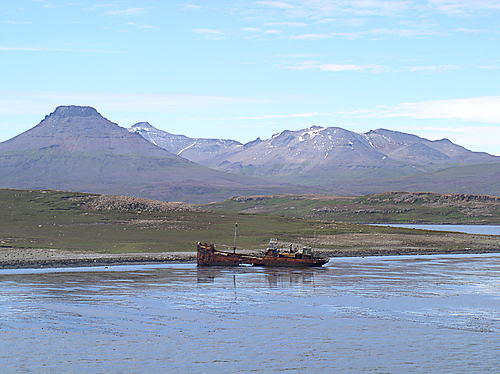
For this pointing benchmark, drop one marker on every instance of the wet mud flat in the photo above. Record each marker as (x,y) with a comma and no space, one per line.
(399,314)
(13,258)
(44,258)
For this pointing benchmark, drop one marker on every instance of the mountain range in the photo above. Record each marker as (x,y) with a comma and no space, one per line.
(75,148)
(343,161)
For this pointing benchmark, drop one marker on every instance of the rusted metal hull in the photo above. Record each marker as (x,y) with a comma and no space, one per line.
(207,255)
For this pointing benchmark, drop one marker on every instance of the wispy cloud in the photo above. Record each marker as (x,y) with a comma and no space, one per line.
(473,137)
(191,6)
(250,29)
(287,24)
(276,4)
(273,116)
(467,30)
(379,33)
(39,102)
(51,49)
(489,67)
(17,22)
(433,68)
(210,34)
(126,12)
(462,7)
(320,9)
(476,109)
(312,65)
(141,25)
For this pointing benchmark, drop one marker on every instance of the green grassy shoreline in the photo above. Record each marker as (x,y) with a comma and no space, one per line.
(95,224)
(389,207)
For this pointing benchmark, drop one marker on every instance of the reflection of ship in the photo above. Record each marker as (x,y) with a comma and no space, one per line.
(209,255)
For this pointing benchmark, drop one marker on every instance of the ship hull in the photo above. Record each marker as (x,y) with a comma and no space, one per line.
(207,255)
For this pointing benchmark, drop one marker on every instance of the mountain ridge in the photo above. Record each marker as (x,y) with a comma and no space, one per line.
(75,148)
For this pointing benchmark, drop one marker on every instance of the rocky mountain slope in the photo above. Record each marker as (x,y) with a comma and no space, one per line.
(200,150)
(343,161)
(75,148)
(316,150)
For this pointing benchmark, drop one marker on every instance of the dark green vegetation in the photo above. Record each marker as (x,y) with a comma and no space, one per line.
(391,207)
(114,224)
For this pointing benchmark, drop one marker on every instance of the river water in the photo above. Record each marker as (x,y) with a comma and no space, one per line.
(411,314)
(468,229)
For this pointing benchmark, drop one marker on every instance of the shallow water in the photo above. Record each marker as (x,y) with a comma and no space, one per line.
(468,229)
(416,314)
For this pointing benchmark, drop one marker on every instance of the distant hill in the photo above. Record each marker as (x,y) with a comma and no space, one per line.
(343,161)
(75,148)
(389,207)
(332,154)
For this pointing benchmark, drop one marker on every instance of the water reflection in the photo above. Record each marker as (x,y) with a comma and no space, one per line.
(400,314)
(275,277)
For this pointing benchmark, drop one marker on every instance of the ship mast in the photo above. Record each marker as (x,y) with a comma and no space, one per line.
(235,232)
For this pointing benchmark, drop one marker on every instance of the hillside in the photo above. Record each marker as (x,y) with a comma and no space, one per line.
(32,221)
(75,148)
(200,150)
(391,207)
(342,161)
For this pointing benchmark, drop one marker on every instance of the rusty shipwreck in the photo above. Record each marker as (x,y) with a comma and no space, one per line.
(208,255)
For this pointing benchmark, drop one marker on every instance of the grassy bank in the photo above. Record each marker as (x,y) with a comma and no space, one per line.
(93,223)
(390,207)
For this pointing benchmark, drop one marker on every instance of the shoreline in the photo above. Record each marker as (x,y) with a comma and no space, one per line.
(41,258)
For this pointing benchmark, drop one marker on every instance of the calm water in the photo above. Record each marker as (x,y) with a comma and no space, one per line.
(417,314)
(468,229)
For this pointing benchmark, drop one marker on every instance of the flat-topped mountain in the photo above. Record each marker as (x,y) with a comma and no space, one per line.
(75,148)
(76,129)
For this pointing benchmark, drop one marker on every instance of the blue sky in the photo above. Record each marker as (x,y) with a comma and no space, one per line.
(241,69)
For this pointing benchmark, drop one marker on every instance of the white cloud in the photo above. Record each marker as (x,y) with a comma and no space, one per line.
(476,109)
(288,24)
(50,49)
(18,22)
(467,30)
(463,7)
(372,34)
(276,4)
(272,31)
(250,29)
(319,9)
(433,68)
(273,116)
(41,102)
(312,65)
(126,12)
(489,67)
(311,36)
(191,6)
(210,34)
(141,25)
